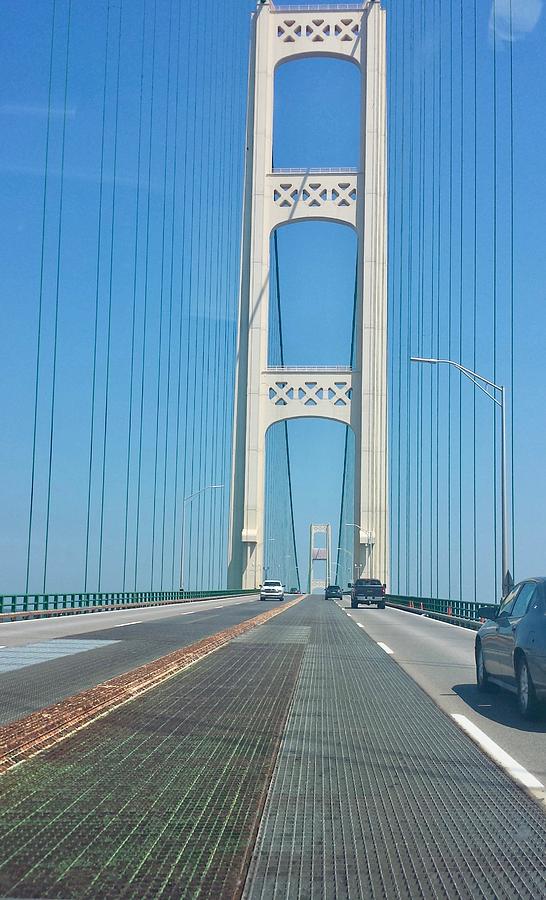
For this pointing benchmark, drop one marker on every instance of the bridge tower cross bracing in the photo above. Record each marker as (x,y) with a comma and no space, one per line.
(355,396)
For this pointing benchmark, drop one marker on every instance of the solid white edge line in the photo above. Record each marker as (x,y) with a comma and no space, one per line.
(124,624)
(385,648)
(497,753)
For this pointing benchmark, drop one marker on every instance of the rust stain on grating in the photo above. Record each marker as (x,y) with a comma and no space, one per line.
(24,738)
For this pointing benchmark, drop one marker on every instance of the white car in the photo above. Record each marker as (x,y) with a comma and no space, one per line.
(272,590)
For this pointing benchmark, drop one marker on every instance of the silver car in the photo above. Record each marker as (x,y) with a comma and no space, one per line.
(511,646)
(272,590)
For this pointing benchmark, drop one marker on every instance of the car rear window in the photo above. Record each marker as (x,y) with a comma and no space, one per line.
(368,581)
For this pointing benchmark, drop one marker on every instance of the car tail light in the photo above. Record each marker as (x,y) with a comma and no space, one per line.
(383,589)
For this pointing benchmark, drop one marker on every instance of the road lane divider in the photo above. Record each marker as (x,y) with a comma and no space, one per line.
(496,753)
(385,648)
(27,737)
(125,624)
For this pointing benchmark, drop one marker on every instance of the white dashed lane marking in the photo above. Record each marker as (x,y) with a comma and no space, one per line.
(385,648)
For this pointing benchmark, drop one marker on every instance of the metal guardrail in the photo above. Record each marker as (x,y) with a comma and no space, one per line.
(22,603)
(458,612)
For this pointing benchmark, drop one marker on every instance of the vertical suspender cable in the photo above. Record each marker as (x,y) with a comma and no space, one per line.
(438,292)
(475,296)
(203,312)
(194,381)
(206,306)
(392,168)
(145,311)
(409,307)
(404,81)
(346,450)
(57,295)
(229,348)
(110,294)
(40,301)
(511,251)
(495,254)
(134,300)
(190,304)
(461,301)
(450,309)
(216,575)
(420,307)
(171,292)
(185,209)
(97,304)
(285,423)
(161,299)
(433,296)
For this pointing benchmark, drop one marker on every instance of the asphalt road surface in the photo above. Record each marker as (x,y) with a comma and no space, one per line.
(440,658)
(44,661)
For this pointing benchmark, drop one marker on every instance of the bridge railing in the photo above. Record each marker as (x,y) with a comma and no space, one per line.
(459,612)
(21,603)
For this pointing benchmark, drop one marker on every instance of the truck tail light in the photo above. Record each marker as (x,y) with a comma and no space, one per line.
(383,589)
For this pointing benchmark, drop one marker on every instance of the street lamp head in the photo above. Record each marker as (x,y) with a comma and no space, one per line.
(424,359)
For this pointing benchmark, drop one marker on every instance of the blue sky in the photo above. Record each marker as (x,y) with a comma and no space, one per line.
(185,185)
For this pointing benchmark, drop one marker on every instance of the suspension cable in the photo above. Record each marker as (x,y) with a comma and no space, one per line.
(57,298)
(40,299)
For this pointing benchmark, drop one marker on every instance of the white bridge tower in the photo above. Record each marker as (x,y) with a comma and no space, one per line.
(320,550)
(356,397)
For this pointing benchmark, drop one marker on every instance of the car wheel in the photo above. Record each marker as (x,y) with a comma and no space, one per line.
(482,675)
(381,606)
(527,701)
(354,605)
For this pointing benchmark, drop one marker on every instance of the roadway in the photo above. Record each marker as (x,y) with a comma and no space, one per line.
(440,658)
(44,661)
(299,747)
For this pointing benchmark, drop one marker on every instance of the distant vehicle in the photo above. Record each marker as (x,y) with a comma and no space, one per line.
(333,592)
(272,590)
(367,590)
(511,647)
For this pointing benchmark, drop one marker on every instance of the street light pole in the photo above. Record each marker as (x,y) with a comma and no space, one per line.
(209,487)
(507,580)
(358,527)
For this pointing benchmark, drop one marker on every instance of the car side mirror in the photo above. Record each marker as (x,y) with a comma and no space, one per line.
(487,612)
(259,585)
(350,584)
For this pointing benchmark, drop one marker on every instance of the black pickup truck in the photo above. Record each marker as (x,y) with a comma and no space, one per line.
(368,590)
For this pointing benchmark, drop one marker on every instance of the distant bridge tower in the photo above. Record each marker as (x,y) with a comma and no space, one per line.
(356,397)
(320,551)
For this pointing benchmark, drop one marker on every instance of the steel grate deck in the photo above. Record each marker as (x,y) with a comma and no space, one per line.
(159,799)
(377,794)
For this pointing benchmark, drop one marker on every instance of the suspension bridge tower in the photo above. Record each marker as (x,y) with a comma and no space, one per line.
(355,396)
